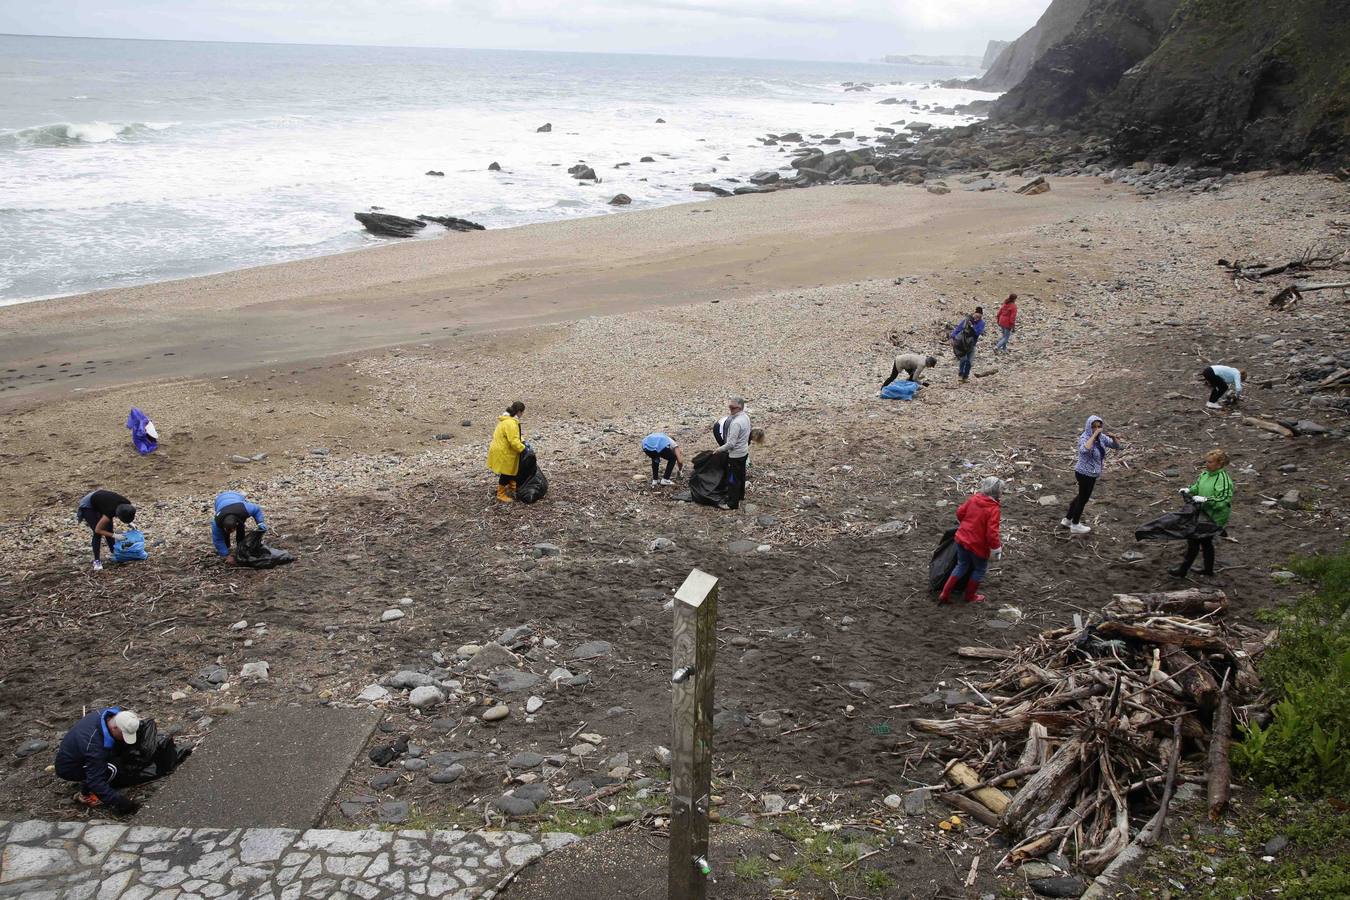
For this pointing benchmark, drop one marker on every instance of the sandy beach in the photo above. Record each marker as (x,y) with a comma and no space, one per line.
(371,382)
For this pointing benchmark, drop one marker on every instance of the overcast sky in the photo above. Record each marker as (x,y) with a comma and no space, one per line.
(790,29)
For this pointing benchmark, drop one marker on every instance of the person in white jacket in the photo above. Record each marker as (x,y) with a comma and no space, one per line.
(1220,379)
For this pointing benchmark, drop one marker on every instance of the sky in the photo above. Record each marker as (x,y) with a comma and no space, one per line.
(783,29)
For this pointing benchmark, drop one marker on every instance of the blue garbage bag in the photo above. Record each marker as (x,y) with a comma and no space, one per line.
(137,422)
(900,390)
(131,547)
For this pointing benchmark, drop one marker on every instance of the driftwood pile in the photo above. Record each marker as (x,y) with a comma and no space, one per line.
(1095,724)
(1314,259)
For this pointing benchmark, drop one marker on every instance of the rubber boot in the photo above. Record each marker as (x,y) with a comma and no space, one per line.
(946,595)
(502,495)
(973,594)
(511,488)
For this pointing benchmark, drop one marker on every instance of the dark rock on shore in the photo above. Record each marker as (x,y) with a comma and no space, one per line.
(620,200)
(583,172)
(454,224)
(545,128)
(660,121)
(647,159)
(387,225)
(495,167)
(711,189)
(754,189)
(434,172)
(765,177)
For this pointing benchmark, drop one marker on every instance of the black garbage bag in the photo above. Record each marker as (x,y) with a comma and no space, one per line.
(153,756)
(1179,526)
(531,485)
(944,561)
(254,554)
(708,483)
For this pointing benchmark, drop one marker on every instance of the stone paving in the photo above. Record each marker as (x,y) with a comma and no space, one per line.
(112,861)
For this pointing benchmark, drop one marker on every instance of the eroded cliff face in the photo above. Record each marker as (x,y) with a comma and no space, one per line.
(1015,61)
(1243,83)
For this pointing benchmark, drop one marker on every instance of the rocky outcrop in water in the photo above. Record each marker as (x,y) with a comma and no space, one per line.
(453,223)
(387,225)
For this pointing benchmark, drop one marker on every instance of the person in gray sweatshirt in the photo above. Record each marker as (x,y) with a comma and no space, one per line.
(736,446)
(912,364)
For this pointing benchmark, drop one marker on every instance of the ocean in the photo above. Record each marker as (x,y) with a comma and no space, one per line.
(125,162)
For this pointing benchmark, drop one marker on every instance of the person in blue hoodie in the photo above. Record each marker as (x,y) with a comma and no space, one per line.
(1092,446)
(88,754)
(964,337)
(232,510)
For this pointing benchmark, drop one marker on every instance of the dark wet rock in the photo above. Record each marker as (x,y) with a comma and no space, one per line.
(711,189)
(1066,886)
(387,225)
(620,200)
(765,177)
(453,223)
(545,128)
(647,159)
(660,121)
(434,172)
(495,167)
(583,172)
(754,189)
(384,754)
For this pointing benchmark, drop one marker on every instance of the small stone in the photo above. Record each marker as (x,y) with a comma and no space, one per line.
(559,674)
(509,681)
(426,697)
(255,671)
(534,704)
(662,756)
(591,650)
(496,713)
(535,793)
(1036,869)
(893,801)
(414,765)
(373,693)
(383,781)
(773,803)
(582,750)
(392,812)
(407,678)
(392,615)
(526,760)
(547,550)
(1048,500)
(515,807)
(1290,500)
(1276,844)
(466,651)
(1067,886)
(29,748)
(741,548)
(240,625)
(447,775)
(661,544)
(592,738)
(916,803)
(770,719)
(1131,556)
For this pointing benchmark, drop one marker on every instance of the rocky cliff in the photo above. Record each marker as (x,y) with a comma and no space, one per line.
(1242,83)
(1017,58)
(991,52)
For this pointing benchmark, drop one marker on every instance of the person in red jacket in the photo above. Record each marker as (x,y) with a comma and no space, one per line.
(1007,321)
(976,540)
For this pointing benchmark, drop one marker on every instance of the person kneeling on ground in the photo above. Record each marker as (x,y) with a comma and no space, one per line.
(1220,379)
(97,509)
(659,446)
(977,539)
(1213,493)
(112,748)
(912,364)
(232,509)
(505,450)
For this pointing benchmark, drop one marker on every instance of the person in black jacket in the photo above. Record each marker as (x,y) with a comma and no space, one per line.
(97,509)
(112,748)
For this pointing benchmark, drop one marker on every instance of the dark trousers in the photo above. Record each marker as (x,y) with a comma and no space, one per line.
(668,455)
(1194,546)
(966,362)
(506,480)
(234,509)
(1085,485)
(91,517)
(1217,386)
(736,480)
(895,373)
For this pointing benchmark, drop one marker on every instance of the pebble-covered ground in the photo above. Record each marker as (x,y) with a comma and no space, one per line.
(521,653)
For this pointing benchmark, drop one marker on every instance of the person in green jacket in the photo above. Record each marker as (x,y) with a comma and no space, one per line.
(1213,493)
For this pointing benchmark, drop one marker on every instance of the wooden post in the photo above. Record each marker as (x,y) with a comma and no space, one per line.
(691,728)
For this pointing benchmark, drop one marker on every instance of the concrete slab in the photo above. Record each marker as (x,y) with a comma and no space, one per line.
(275,768)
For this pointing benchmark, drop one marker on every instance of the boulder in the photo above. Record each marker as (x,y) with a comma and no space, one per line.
(545,128)
(765,177)
(1037,185)
(434,172)
(711,189)
(454,224)
(495,167)
(620,200)
(647,159)
(754,189)
(387,225)
(426,697)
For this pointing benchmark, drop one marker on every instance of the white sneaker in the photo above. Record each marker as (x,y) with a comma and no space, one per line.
(1079,528)
(98,565)
(1213,406)
(1065,523)
(655,482)
(666,482)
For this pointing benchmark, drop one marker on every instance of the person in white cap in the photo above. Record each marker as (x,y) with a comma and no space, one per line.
(98,753)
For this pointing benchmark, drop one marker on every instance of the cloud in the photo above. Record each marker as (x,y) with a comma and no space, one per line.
(826,29)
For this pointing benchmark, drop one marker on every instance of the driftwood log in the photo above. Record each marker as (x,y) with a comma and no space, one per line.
(1220,774)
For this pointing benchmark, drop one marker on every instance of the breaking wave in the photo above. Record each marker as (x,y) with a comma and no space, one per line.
(70,134)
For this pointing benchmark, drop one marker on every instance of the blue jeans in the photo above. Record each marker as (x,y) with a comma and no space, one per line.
(966,362)
(1003,341)
(969,562)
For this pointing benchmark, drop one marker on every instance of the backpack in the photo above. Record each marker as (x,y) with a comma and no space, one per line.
(130,548)
(966,342)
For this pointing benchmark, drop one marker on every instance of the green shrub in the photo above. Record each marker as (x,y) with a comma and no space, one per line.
(1306,746)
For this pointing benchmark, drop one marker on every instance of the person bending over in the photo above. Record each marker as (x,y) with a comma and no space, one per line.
(912,364)
(1220,379)
(659,446)
(98,509)
(232,510)
(977,540)
(963,338)
(505,449)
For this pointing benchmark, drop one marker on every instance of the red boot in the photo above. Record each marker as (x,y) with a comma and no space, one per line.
(973,594)
(946,595)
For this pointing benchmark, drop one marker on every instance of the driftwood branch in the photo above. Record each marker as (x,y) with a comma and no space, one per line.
(1220,774)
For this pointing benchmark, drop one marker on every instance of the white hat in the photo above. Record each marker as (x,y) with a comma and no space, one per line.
(129,723)
(152,431)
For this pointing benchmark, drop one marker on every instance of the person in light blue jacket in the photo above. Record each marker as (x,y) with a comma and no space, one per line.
(232,509)
(1092,446)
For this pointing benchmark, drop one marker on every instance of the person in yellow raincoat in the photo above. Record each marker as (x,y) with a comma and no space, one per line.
(504,451)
